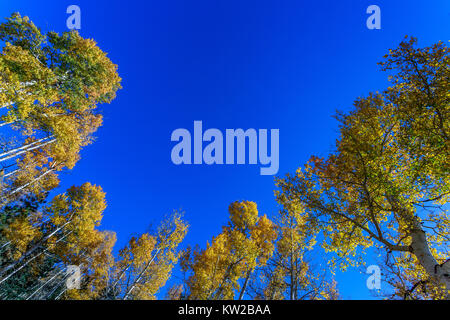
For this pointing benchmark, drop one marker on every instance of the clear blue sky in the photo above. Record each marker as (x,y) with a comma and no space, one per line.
(232,64)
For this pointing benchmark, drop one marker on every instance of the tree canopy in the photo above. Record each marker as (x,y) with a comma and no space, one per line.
(384,188)
(387,183)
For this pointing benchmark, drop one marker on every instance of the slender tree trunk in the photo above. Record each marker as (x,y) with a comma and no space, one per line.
(420,248)
(31,182)
(28,253)
(5,123)
(11,173)
(225,278)
(113,286)
(135,282)
(5,199)
(244,286)
(23,149)
(24,85)
(44,284)
(292,268)
(440,274)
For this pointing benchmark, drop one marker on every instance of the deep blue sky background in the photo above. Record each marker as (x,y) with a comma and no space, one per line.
(231,64)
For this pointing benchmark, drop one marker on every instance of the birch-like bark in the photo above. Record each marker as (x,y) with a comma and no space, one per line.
(24,85)
(31,182)
(32,249)
(11,173)
(21,150)
(44,284)
(5,124)
(440,274)
(135,282)
(5,199)
(244,286)
(115,283)
(3,154)
(31,83)
(420,248)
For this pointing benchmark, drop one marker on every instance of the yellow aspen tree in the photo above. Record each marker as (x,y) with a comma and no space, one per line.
(387,183)
(146,263)
(224,268)
(20,233)
(78,213)
(69,233)
(20,227)
(50,87)
(292,272)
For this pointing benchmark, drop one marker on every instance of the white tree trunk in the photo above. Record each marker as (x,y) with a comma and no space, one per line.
(438,273)
(136,281)
(21,150)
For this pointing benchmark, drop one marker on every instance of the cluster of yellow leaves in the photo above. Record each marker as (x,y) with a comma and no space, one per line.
(51,85)
(21,232)
(146,263)
(245,244)
(78,212)
(391,164)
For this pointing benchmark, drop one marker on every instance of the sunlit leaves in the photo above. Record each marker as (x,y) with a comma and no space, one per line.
(221,271)
(50,86)
(388,178)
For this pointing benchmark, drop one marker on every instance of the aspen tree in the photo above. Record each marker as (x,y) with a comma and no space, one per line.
(224,268)
(146,263)
(387,183)
(50,87)
(70,235)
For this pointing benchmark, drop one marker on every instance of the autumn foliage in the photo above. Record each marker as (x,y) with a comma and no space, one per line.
(384,188)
